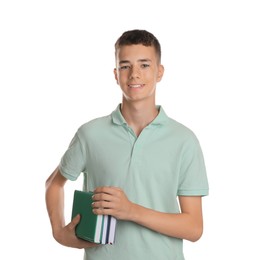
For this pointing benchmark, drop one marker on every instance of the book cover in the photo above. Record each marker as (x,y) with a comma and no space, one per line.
(98,229)
(90,226)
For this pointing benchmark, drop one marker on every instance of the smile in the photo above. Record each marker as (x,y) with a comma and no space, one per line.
(136,86)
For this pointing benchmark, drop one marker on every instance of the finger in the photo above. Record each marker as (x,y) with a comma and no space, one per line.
(102,197)
(100,189)
(74,222)
(106,189)
(103,211)
(102,205)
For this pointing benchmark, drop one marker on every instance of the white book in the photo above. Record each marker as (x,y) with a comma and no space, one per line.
(112,229)
(104,230)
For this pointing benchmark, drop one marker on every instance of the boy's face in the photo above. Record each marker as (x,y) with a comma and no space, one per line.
(137,71)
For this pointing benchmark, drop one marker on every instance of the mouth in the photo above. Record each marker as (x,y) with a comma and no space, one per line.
(136,86)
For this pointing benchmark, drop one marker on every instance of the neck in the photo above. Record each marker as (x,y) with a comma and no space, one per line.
(138,114)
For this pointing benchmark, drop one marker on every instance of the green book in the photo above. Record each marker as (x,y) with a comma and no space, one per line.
(90,226)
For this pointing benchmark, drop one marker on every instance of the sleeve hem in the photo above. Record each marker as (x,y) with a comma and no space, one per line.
(66,174)
(193,193)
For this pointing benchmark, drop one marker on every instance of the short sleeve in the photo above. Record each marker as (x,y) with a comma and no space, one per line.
(193,177)
(73,161)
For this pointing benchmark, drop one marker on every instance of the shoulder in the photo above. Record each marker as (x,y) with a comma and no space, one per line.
(95,126)
(180,130)
(171,126)
(183,137)
(174,132)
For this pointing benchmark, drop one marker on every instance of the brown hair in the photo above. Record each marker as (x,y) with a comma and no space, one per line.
(138,37)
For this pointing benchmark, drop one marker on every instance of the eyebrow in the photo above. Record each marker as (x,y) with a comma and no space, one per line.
(140,60)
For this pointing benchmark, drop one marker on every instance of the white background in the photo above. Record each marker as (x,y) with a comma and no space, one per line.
(56,72)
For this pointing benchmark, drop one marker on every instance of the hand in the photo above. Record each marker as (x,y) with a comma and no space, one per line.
(112,201)
(66,236)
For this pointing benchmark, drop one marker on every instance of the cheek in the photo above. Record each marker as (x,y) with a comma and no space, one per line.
(152,78)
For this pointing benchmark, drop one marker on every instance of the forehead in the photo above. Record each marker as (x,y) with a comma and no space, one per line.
(136,52)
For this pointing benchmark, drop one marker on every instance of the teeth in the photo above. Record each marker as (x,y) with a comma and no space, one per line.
(135,86)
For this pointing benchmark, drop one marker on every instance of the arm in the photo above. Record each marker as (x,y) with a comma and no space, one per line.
(64,234)
(186,225)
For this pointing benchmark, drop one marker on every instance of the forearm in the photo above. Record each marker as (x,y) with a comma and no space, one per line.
(55,207)
(54,197)
(181,225)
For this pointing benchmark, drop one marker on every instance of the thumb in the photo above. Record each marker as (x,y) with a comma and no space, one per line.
(74,221)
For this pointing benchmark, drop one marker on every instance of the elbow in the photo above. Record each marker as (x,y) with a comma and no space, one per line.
(51,178)
(196,234)
(48,182)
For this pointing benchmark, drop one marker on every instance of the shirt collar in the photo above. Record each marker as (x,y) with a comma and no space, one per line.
(118,118)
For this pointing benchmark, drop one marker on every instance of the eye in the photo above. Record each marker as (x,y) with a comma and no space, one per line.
(145,65)
(125,67)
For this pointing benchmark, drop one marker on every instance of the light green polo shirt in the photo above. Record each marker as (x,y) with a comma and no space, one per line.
(164,162)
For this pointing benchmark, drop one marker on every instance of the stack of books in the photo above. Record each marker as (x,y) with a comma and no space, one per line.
(98,229)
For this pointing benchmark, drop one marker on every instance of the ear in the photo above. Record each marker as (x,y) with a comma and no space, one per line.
(115,75)
(160,72)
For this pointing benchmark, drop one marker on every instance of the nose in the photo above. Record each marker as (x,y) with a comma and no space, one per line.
(135,72)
